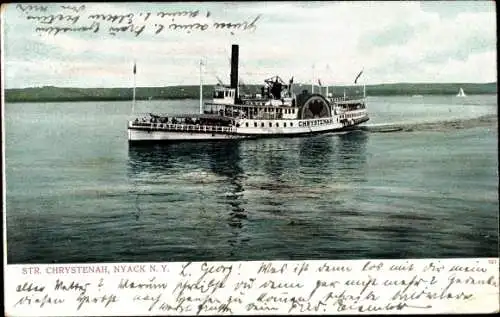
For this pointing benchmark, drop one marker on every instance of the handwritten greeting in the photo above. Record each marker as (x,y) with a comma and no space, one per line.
(54,19)
(269,287)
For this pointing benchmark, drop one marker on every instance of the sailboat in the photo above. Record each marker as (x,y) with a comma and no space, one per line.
(461,93)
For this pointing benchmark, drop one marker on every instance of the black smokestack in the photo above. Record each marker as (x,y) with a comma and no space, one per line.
(234,67)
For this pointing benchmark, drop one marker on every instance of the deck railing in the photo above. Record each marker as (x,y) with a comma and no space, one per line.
(345,99)
(183,127)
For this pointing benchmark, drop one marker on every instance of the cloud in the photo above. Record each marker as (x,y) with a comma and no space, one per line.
(393,41)
(435,42)
(451,9)
(392,35)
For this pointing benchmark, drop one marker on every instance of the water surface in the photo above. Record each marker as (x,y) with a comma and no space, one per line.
(76,191)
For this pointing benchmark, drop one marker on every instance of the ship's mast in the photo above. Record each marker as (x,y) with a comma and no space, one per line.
(327,69)
(133,92)
(312,82)
(364,85)
(201,87)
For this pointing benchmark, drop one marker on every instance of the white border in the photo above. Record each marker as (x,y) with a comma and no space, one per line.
(486,297)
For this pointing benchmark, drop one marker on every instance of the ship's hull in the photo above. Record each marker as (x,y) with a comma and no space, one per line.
(143,134)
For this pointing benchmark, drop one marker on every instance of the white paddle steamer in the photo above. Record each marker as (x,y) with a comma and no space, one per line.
(275,112)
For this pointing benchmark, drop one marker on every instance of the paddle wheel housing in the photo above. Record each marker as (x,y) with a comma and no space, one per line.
(313,106)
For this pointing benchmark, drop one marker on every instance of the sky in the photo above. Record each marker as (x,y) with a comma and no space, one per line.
(432,41)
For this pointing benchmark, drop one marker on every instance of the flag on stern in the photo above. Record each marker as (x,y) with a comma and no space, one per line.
(357,77)
(319,82)
(291,80)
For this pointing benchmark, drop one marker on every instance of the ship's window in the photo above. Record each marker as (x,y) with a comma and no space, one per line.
(277,124)
(262,124)
(291,124)
(265,109)
(284,124)
(255,124)
(270,124)
(246,124)
(293,111)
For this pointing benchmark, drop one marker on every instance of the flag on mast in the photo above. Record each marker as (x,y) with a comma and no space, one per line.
(319,82)
(201,85)
(135,69)
(357,77)
(133,91)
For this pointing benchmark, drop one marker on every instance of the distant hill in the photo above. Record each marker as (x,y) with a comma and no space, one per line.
(50,93)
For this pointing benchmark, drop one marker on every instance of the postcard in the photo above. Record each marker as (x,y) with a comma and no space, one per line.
(249,158)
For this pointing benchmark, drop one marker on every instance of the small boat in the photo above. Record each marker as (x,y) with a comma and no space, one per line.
(276,112)
(461,93)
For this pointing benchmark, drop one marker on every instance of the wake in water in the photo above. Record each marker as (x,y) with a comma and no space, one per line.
(483,121)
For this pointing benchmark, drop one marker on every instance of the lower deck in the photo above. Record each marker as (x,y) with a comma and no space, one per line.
(243,128)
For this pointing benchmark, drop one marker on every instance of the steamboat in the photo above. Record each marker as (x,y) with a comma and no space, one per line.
(276,112)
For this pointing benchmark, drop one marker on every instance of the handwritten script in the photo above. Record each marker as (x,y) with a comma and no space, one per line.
(292,287)
(55,19)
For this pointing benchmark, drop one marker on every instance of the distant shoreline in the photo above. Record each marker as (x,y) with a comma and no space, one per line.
(63,94)
(195,98)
